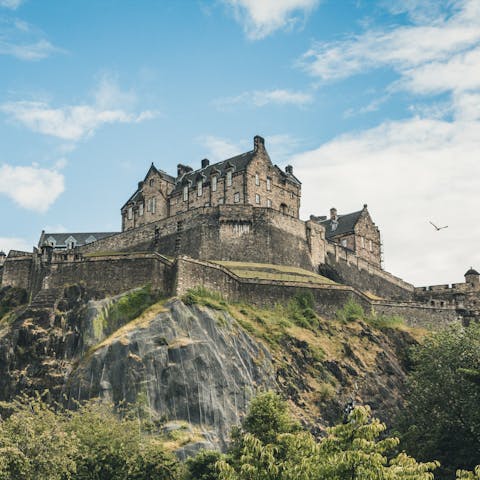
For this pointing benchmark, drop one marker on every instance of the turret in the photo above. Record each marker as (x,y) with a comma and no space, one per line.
(472,277)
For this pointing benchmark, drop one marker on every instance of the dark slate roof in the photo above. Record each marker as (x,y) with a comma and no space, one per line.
(81,238)
(472,271)
(346,224)
(238,163)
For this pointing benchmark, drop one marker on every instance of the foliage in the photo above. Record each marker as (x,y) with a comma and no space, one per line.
(353,450)
(41,442)
(442,418)
(350,312)
(202,296)
(11,298)
(464,475)
(203,466)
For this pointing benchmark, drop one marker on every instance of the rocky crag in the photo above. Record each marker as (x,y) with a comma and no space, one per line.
(193,363)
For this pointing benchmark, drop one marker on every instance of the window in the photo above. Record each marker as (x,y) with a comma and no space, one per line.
(207,204)
(343,242)
(257,198)
(362,242)
(140,209)
(129,213)
(257,180)
(151,205)
(269,183)
(185,193)
(371,245)
(229,178)
(154,204)
(214,183)
(236,197)
(221,201)
(269,203)
(151,182)
(199,188)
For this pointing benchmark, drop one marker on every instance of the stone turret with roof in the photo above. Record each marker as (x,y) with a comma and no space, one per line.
(246,179)
(472,278)
(354,231)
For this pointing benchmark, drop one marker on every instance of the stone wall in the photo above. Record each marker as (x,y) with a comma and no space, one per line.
(110,275)
(225,232)
(345,267)
(17,271)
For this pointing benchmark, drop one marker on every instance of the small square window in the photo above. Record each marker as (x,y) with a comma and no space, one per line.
(344,242)
(236,197)
(221,201)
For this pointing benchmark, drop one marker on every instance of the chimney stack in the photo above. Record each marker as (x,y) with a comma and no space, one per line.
(205,163)
(333,214)
(182,169)
(289,169)
(258,143)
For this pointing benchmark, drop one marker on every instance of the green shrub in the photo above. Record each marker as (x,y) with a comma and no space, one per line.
(350,312)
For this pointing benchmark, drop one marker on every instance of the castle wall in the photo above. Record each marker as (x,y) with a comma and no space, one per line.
(17,271)
(328,299)
(352,270)
(110,275)
(226,232)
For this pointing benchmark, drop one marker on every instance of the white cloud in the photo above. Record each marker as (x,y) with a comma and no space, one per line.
(74,122)
(220,148)
(33,188)
(261,18)
(262,98)
(409,172)
(437,53)
(14,243)
(12,4)
(24,41)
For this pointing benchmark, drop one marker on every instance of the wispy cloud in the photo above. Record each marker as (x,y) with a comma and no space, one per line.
(261,18)
(428,50)
(12,4)
(15,243)
(262,98)
(32,187)
(75,122)
(22,40)
(221,148)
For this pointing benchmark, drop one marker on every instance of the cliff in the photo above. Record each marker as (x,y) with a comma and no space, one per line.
(194,362)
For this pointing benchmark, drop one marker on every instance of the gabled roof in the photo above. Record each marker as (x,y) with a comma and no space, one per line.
(237,164)
(163,174)
(345,224)
(80,238)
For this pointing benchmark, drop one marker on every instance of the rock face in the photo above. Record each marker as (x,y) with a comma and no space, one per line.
(187,363)
(196,364)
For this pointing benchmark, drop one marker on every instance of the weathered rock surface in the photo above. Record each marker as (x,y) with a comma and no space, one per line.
(196,364)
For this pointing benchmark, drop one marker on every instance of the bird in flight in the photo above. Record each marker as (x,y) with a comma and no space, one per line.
(438,228)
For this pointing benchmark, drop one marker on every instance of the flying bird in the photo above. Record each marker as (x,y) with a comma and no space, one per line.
(438,228)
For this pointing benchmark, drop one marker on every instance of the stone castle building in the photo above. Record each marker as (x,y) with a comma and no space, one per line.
(189,229)
(246,179)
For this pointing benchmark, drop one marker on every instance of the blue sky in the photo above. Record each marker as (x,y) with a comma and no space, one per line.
(372,102)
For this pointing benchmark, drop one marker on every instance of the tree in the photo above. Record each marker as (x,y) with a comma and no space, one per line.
(442,419)
(203,465)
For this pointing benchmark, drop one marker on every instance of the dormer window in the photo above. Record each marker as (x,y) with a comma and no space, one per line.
(199,188)
(185,193)
(214,183)
(229,178)
(334,225)
(70,243)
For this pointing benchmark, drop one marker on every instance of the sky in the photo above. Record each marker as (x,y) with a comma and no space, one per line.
(371,101)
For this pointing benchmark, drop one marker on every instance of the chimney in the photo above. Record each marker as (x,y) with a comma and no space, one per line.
(258,143)
(182,169)
(205,163)
(289,169)
(365,206)
(333,214)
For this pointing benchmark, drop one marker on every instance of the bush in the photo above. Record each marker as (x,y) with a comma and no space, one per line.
(350,312)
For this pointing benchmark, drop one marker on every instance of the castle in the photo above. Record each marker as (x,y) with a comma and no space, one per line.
(234,226)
